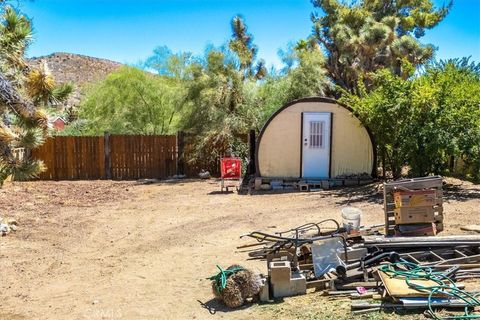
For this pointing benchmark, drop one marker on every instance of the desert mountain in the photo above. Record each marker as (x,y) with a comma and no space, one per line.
(77,68)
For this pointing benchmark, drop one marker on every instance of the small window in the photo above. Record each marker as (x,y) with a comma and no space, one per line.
(317,134)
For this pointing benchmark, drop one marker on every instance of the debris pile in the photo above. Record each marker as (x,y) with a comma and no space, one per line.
(395,271)
(401,273)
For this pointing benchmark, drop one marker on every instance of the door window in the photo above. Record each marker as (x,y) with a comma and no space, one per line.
(317,134)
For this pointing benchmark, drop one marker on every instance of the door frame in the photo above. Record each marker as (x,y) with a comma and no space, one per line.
(330,145)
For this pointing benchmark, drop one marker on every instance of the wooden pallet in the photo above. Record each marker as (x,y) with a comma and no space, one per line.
(433,182)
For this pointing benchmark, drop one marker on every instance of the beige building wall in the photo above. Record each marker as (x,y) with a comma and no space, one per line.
(280,145)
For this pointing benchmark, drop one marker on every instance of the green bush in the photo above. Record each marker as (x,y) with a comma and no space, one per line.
(424,122)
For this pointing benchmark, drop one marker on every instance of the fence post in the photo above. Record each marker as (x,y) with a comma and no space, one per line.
(251,149)
(106,146)
(180,153)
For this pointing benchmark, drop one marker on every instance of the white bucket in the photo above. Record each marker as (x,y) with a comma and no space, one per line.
(351,218)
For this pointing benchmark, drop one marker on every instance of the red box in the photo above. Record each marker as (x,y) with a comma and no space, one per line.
(231,168)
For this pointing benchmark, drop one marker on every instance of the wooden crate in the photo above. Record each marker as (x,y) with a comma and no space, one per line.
(414,215)
(433,182)
(415,198)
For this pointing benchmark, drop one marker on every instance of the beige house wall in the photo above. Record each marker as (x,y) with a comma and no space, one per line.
(280,145)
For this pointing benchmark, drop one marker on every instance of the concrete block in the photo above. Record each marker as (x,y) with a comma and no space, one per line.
(279,271)
(303,187)
(258,183)
(351,182)
(265,186)
(298,283)
(264,290)
(295,286)
(336,183)
(325,184)
(354,254)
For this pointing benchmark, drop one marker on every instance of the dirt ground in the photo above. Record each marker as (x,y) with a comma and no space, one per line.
(124,250)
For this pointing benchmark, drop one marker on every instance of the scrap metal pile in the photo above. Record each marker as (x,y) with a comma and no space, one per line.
(399,265)
(421,273)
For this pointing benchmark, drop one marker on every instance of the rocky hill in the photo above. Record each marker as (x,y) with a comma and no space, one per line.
(76,68)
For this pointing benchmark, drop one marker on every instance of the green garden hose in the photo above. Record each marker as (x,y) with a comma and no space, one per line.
(445,286)
(221,277)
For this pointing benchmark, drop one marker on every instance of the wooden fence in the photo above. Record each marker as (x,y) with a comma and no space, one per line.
(118,157)
(123,157)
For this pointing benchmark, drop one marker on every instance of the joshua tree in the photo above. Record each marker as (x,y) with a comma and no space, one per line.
(24,93)
(246,51)
(364,36)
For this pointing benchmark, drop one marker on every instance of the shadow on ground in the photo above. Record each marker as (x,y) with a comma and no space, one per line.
(220,192)
(460,193)
(214,305)
(350,195)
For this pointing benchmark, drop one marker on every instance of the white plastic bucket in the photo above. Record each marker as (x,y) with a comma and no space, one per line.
(351,218)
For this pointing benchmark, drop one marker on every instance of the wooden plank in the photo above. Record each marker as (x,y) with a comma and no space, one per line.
(173,155)
(398,287)
(115,157)
(142,152)
(100,149)
(80,161)
(385,208)
(153,171)
(164,153)
(74,161)
(128,151)
(416,183)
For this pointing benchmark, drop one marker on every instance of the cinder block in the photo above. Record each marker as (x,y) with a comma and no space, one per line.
(265,186)
(351,182)
(298,283)
(296,286)
(303,187)
(336,183)
(325,184)
(354,254)
(258,183)
(279,271)
(264,290)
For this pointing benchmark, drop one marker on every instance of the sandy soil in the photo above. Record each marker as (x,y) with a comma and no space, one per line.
(122,250)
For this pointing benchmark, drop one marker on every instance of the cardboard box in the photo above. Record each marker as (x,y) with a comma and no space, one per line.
(414,198)
(407,215)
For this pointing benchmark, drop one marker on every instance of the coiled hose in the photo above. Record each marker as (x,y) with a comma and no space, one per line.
(445,286)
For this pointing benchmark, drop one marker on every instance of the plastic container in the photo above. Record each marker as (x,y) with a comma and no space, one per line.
(351,218)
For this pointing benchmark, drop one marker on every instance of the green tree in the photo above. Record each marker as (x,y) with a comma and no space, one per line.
(128,101)
(447,117)
(309,77)
(362,37)
(387,111)
(24,92)
(304,75)
(242,45)
(423,122)
(220,101)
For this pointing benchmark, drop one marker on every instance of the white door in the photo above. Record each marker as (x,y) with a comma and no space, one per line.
(316,144)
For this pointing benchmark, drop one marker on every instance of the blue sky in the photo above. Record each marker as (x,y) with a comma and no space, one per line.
(128,30)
